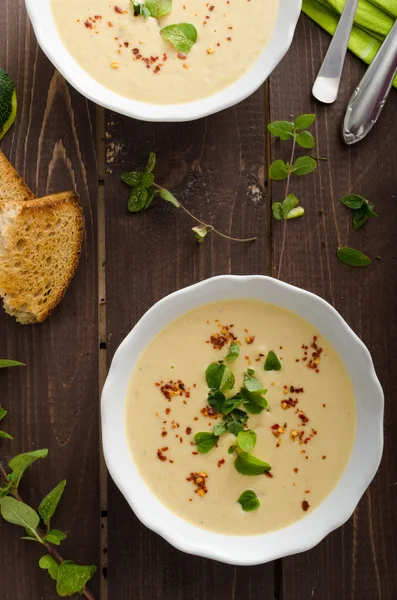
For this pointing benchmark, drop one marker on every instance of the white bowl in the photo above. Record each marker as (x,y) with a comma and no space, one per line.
(40,14)
(342,501)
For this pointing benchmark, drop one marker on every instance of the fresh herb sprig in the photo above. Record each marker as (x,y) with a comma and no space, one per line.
(144,189)
(70,578)
(353,257)
(280,170)
(362,209)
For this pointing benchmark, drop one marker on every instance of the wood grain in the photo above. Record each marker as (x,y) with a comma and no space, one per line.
(53,401)
(357,561)
(216,168)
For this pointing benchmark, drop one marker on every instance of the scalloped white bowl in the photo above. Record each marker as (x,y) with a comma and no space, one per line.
(40,14)
(342,501)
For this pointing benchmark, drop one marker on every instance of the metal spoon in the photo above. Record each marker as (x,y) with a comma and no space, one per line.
(326,86)
(370,95)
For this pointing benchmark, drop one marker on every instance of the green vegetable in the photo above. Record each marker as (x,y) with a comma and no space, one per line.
(252,384)
(231,449)
(249,501)
(158,8)
(282,129)
(16,512)
(235,421)
(21,462)
(304,165)
(140,9)
(287,209)
(246,440)
(305,139)
(10,363)
(144,189)
(219,377)
(55,537)
(219,428)
(234,352)
(50,564)
(353,257)
(49,504)
(216,400)
(246,464)
(4,434)
(363,210)
(279,170)
(205,441)
(182,35)
(254,403)
(304,121)
(272,362)
(8,102)
(72,579)
(232,403)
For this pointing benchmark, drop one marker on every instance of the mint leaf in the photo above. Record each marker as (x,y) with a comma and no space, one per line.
(252,384)
(3,412)
(158,8)
(138,199)
(132,178)
(249,501)
(151,163)
(219,377)
(16,512)
(200,231)
(10,363)
(48,563)
(272,362)
(278,170)
(304,165)
(182,35)
(5,435)
(281,129)
(231,403)
(234,352)
(305,139)
(49,504)
(72,578)
(166,195)
(304,121)
(20,463)
(215,400)
(353,257)
(205,441)
(246,440)
(55,537)
(246,464)
(235,421)
(353,201)
(254,403)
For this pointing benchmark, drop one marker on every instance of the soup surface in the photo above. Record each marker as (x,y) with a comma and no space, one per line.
(305,433)
(127,54)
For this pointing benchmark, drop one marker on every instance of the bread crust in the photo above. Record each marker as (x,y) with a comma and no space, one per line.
(12,186)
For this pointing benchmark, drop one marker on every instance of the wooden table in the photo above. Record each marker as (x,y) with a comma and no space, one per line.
(218,166)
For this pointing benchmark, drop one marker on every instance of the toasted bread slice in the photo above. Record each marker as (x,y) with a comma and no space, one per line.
(12,186)
(40,246)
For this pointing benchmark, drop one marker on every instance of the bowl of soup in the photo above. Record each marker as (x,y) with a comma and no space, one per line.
(242,419)
(165,60)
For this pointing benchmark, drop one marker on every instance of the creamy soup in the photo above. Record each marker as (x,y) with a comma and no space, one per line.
(127,53)
(304,434)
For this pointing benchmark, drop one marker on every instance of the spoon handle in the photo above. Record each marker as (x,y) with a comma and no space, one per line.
(327,82)
(370,95)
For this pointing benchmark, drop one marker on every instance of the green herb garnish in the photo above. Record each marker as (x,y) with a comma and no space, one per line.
(144,189)
(216,400)
(246,464)
(205,441)
(5,363)
(352,257)
(235,421)
(70,578)
(362,209)
(182,36)
(219,377)
(140,9)
(246,440)
(158,8)
(272,362)
(280,170)
(252,384)
(234,352)
(249,501)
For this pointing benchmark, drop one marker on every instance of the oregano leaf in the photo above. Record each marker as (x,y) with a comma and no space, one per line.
(281,129)
(304,121)
(48,563)
(72,578)
(5,363)
(55,537)
(18,513)
(132,178)
(200,231)
(249,501)
(304,165)
(353,257)
(181,35)
(151,163)
(21,462)
(166,195)
(278,170)
(49,504)
(305,139)
(138,198)
(5,435)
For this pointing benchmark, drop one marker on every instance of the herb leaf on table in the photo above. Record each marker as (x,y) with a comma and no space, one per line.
(353,257)
(362,209)
(144,189)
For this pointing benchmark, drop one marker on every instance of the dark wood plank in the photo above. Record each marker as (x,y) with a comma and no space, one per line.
(359,560)
(216,167)
(53,402)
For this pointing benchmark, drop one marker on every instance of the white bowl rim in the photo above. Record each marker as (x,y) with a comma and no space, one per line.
(299,536)
(47,35)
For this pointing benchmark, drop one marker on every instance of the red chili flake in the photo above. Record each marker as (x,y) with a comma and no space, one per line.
(160,455)
(221,462)
(305,505)
(296,470)
(324,457)
(88,24)
(303,418)
(163,433)
(188,430)
(195,453)
(275,426)
(268,474)
(118,10)
(181,56)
